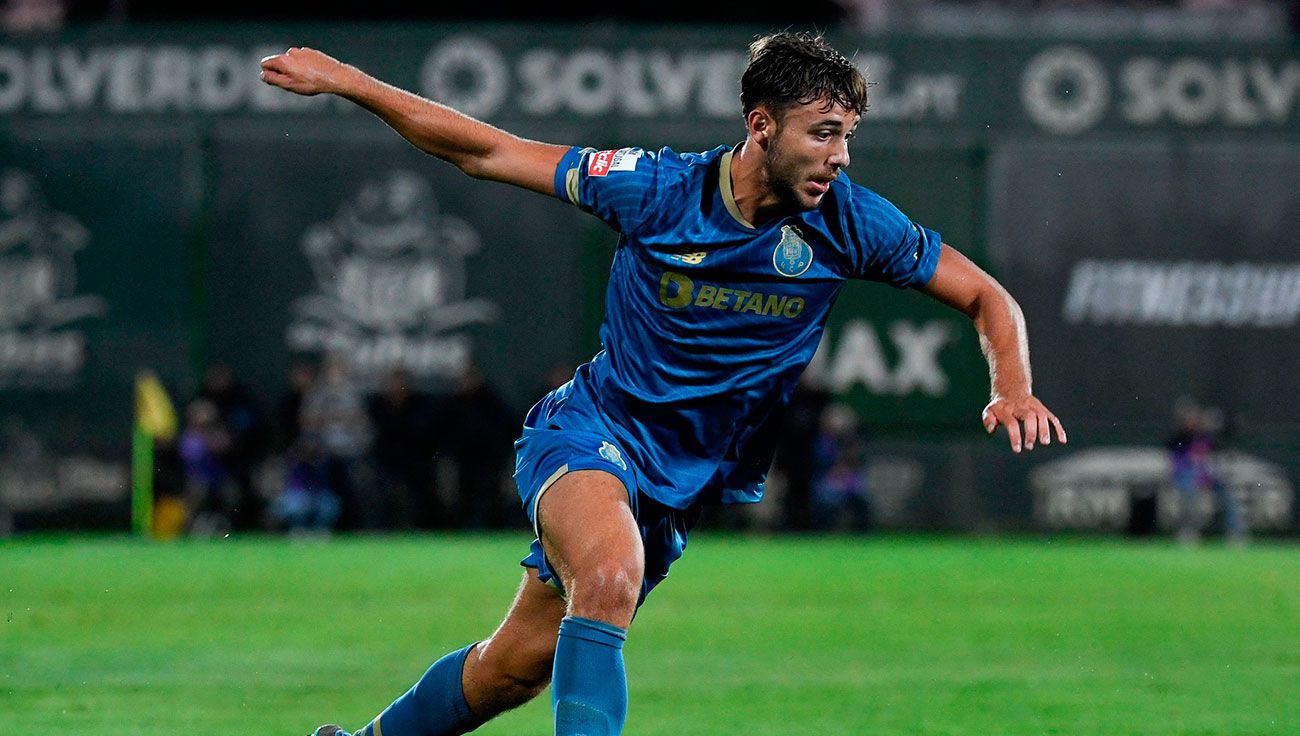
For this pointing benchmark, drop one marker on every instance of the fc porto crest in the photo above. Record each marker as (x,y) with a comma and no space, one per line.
(611,453)
(793,255)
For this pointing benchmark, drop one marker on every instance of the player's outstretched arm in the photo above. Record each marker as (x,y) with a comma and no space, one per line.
(474,147)
(961,284)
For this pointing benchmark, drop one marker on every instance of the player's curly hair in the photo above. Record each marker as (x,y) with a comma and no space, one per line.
(787,69)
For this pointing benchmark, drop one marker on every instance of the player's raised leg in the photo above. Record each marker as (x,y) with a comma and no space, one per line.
(472,685)
(590,537)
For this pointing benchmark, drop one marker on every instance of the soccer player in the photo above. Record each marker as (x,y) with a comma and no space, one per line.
(727,264)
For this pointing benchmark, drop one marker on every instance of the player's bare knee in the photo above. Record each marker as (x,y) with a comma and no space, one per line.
(607,590)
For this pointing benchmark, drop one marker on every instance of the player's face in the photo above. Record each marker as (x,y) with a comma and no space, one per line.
(810,147)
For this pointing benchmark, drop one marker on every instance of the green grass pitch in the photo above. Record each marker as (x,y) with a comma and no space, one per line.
(749,636)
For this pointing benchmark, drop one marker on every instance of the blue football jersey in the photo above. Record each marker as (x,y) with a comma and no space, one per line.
(709,320)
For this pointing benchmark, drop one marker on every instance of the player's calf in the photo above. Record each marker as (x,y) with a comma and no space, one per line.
(504,674)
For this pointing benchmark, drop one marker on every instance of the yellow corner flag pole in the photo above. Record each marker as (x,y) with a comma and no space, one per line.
(155,418)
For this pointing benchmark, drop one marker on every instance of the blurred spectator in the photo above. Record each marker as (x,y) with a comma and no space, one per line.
(403,450)
(307,504)
(1192,447)
(245,425)
(840,493)
(209,488)
(874,16)
(30,16)
(795,457)
(334,419)
(479,431)
(288,413)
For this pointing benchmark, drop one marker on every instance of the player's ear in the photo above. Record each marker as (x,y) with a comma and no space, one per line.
(761,124)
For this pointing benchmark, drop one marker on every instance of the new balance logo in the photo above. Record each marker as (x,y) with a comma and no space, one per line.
(694,259)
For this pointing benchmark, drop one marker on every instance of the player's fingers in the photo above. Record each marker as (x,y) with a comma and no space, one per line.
(990,420)
(1013,432)
(1026,418)
(275,62)
(1037,430)
(270,76)
(1060,431)
(1029,431)
(1044,428)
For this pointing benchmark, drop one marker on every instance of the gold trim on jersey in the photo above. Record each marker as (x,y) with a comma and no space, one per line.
(537,527)
(571,185)
(724,186)
(571,177)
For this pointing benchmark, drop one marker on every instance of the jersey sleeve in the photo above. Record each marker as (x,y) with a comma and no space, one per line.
(887,246)
(619,186)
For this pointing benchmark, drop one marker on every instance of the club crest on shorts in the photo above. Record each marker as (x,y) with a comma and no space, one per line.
(611,453)
(793,255)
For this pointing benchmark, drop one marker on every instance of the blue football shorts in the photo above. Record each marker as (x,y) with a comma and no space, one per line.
(543,456)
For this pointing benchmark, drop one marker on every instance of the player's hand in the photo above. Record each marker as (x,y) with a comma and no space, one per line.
(304,71)
(1029,411)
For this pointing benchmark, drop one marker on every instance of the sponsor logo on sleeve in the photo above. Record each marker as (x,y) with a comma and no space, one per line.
(603,162)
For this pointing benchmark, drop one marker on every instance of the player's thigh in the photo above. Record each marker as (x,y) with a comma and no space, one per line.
(519,654)
(590,536)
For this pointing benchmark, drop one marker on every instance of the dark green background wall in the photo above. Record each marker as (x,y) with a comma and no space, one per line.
(202,194)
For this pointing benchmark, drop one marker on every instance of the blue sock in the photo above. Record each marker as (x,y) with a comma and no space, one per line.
(589,686)
(434,706)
